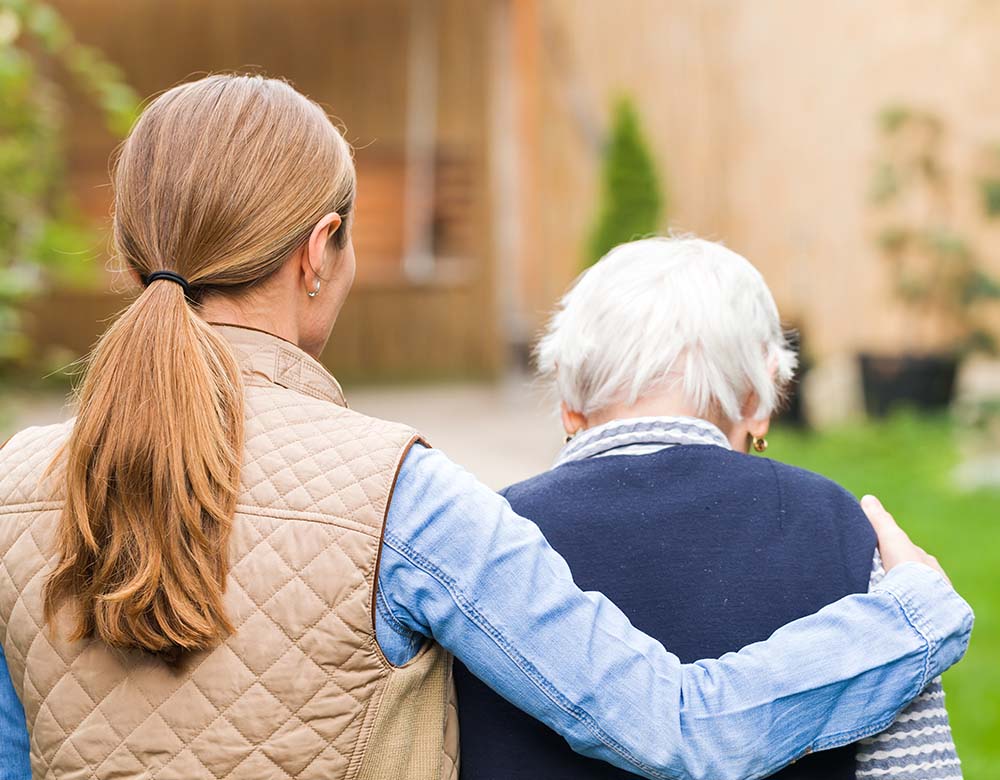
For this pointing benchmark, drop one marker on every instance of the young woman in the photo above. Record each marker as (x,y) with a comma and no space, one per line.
(669,359)
(217,569)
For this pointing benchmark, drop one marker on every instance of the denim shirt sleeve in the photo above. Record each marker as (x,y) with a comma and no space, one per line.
(460,567)
(14,756)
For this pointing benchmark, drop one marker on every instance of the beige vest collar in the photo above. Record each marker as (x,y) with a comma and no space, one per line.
(263,356)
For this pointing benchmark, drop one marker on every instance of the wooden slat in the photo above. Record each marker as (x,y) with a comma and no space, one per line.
(351,58)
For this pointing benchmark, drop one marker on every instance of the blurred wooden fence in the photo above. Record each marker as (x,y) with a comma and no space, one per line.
(354,58)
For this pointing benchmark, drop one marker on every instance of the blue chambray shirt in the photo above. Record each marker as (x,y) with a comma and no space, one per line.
(459,567)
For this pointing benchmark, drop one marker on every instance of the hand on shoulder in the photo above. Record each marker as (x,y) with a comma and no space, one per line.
(894,545)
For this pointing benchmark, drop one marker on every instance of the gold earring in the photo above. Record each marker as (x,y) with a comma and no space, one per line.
(759,443)
(315,292)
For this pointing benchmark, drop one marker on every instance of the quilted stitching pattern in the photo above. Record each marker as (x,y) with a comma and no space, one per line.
(285,696)
(21,475)
(451,764)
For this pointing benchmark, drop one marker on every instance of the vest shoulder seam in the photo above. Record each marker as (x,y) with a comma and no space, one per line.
(306,517)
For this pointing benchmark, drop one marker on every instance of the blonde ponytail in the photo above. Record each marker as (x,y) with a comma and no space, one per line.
(220,180)
(153,467)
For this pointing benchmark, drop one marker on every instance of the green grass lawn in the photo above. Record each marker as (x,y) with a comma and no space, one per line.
(908,463)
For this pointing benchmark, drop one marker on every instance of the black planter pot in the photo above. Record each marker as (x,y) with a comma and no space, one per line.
(793,412)
(921,381)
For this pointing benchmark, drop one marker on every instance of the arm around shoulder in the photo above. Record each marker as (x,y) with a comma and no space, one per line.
(460,567)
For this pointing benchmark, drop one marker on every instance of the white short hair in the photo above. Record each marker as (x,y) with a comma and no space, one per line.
(669,311)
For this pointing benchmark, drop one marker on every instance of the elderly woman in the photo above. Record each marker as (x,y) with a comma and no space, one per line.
(669,360)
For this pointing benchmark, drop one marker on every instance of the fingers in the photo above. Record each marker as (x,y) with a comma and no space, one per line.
(894,545)
(873,508)
(886,528)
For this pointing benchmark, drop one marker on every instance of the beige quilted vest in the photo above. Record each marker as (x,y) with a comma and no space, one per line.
(300,689)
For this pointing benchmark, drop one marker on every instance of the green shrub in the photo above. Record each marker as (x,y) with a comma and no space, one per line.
(41,233)
(632,200)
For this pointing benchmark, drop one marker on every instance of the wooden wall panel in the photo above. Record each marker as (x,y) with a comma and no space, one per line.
(352,58)
(761,117)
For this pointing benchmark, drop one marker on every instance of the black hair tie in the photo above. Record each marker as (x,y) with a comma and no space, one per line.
(170,276)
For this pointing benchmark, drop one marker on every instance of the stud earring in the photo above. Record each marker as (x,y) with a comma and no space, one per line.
(759,443)
(315,292)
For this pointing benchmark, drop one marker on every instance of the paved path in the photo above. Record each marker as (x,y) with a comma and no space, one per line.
(501,432)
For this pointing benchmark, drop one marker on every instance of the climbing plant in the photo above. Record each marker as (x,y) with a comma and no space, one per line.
(39,226)
(933,264)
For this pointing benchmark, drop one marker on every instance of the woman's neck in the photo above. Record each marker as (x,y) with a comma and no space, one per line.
(665,404)
(661,405)
(246,313)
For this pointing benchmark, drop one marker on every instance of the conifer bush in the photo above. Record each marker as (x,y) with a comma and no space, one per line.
(632,198)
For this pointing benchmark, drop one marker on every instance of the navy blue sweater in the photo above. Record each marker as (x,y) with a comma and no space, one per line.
(705,549)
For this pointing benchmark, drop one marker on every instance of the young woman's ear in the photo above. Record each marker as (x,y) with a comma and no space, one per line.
(313,258)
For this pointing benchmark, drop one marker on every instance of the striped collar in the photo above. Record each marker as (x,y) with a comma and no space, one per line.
(640,436)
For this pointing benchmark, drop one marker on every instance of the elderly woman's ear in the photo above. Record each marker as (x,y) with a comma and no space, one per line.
(751,431)
(572,422)
(755,436)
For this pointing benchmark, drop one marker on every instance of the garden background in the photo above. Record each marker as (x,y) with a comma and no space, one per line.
(850,150)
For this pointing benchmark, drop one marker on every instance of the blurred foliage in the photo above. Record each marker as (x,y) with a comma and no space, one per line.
(991,196)
(909,462)
(39,227)
(632,200)
(989,184)
(935,268)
